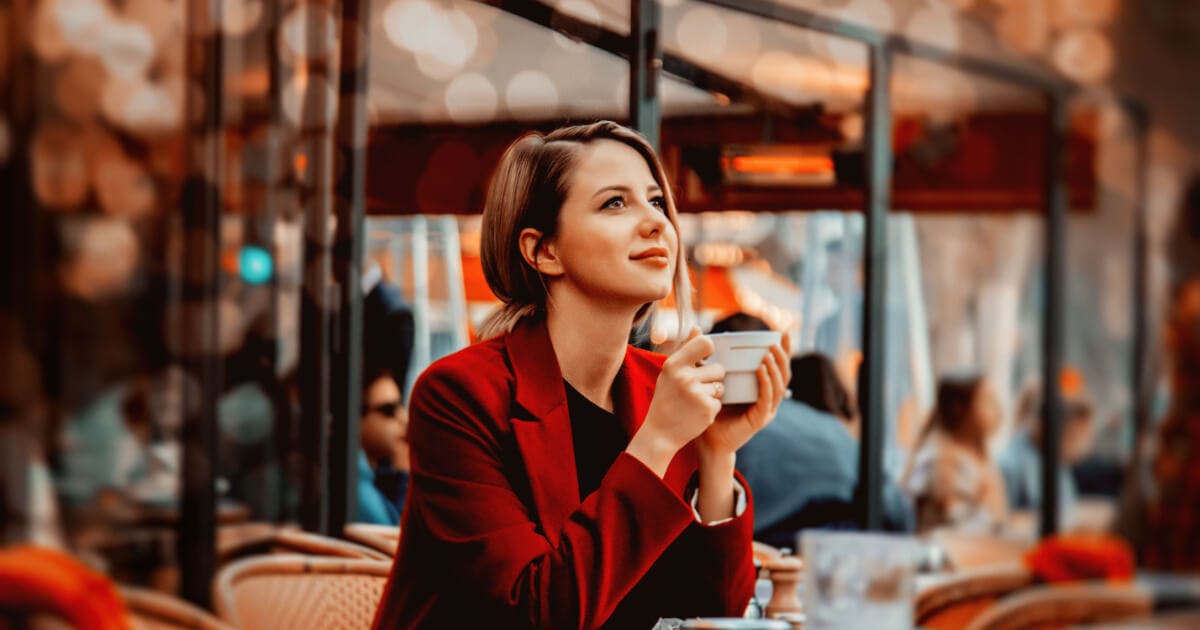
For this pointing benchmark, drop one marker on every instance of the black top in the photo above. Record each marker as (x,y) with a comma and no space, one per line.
(597,437)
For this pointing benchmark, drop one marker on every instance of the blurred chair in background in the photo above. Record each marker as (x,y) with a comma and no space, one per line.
(300,592)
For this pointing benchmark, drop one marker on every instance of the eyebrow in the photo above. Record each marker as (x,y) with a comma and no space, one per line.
(652,188)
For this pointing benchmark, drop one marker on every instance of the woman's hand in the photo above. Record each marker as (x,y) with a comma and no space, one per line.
(684,405)
(736,424)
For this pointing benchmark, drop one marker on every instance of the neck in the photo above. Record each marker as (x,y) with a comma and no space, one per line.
(589,342)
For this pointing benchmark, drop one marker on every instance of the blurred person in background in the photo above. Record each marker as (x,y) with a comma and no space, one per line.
(951,477)
(381,434)
(28,506)
(1171,540)
(803,466)
(560,477)
(1021,460)
(388,333)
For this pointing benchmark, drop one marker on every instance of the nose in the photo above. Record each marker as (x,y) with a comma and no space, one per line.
(654,221)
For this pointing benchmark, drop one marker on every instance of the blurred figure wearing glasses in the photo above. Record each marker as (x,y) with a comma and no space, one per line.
(383,460)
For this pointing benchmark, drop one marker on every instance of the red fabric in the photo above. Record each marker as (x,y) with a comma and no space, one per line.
(1173,513)
(495,534)
(41,580)
(1081,557)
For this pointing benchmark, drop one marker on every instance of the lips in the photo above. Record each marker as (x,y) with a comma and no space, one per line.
(656,254)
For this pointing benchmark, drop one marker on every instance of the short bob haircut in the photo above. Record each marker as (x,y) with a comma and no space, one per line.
(527,190)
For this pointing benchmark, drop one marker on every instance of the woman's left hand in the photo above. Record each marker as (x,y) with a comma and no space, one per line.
(736,424)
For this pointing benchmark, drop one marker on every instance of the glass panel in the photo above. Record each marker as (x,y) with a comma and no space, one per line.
(1099,337)
(771,179)
(972,149)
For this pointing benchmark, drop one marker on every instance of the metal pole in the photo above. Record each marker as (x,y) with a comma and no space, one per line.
(1140,371)
(346,386)
(645,61)
(1052,329)
(201,204)
(318,296)
(868,496)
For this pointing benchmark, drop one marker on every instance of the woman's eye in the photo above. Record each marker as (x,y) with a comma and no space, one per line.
(615,202)
(660,203)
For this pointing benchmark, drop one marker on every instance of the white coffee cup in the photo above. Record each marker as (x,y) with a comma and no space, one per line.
(740,353)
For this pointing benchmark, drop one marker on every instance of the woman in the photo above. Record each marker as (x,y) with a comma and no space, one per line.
(951,478)
(381,435)
(552,464)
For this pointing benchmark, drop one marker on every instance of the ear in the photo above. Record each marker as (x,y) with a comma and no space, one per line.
(539,253)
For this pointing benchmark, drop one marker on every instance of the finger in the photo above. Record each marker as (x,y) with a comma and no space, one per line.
(712,372)
(780,358)
(696,349)
(787,344)
(761,411)
(778,385)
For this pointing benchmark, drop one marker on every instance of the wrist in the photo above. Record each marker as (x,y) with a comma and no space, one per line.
(715,459)
(653,450)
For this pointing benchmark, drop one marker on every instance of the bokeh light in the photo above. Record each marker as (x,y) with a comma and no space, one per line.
(309,31)
(240,17)
(309,101)
(798,80)
(581,9)
(162,18)
(442,40)
(59,167)
(702,34)
(123,187)
(78,87)
(101,257)
(255,265)
(1084,54)
(126,48)
(531,94)
(471,98)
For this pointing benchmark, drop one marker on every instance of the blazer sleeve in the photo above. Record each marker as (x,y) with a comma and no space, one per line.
(720,562)
(489,536)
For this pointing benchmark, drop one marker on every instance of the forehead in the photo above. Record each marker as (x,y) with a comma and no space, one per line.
(610,163)
(383,388)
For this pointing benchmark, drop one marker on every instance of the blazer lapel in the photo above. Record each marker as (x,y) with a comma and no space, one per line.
(632,392)
(544,435)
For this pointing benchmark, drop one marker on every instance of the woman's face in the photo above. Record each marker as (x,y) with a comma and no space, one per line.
(985,410)
(614,239)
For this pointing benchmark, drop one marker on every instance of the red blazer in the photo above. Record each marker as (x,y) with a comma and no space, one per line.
(494,534)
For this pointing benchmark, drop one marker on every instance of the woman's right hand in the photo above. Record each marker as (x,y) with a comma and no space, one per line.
(686,400)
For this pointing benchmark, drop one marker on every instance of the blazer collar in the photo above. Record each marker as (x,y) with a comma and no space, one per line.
(543,432)
(539,380)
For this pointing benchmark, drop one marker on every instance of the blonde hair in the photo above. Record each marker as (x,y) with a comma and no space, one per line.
(527,190)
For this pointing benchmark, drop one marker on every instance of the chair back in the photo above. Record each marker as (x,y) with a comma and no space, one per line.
(954,602)
(289,540)
(381,538)
(151,610)
(1066,605)
(300,592)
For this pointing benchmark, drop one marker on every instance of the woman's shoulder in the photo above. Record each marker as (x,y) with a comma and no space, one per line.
(482,366)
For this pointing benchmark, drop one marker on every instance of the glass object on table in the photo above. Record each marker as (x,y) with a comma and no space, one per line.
(859,580)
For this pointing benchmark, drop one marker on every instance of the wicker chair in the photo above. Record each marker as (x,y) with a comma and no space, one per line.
(1065,605)
(300,592)
(294,541)
(151,610)
(381,538)
(953,603)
